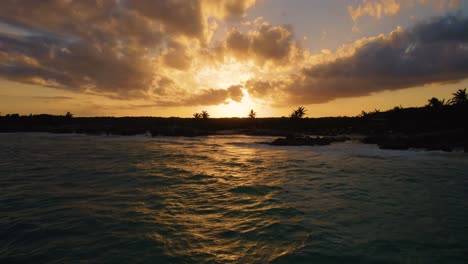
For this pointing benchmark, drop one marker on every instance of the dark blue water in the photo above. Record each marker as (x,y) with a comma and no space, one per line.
(89,199)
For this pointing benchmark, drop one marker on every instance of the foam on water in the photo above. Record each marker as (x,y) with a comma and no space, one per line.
(71,198)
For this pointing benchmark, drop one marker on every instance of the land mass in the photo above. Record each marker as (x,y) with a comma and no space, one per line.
(433,128)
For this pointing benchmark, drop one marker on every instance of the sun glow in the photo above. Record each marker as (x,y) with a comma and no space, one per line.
(229,73)
(241,109)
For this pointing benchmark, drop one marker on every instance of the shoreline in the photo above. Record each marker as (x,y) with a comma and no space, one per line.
(434,141)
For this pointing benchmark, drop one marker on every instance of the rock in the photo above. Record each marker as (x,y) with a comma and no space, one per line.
(441,140)
(292,140)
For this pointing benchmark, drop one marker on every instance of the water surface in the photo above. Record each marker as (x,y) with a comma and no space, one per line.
(72,198)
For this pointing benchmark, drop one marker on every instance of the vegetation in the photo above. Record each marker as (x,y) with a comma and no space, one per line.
(460,98)
(439,117)
(298,113)
(205,115)
(436,103)
(252,114)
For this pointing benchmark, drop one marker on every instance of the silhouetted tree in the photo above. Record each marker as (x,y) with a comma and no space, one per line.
(298,113)
(205,114)
(252,114)
(460,97)
(435,103)
(68,115)
(197,115)
(397,108)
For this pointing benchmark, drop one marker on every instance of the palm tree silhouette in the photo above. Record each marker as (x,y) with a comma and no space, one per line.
(460,97)
(298,113)
(435,103)
(205,115)
(252,114)
(197,115)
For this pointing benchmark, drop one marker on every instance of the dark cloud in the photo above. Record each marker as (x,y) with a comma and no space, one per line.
(74,65)
(106,47)
(236,8)
(235,93)
(79,46)
(238,43)
(265,43)
(204,97)
(53,97)
(207,97)
(177,57)
(270,90)
(214,96)
(175,15)
(435,51)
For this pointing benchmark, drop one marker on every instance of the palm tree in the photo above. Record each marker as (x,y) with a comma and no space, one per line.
(435,103)
(205,114)
(252,114)
(197,115)
(298,113)
(460,97)
(68,115)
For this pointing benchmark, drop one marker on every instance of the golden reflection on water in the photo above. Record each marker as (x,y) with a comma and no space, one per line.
(209,212)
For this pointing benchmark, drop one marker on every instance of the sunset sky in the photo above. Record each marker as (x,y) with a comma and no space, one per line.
(177,57)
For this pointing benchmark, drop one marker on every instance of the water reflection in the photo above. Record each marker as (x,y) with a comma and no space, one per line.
(225,199)
(222,204)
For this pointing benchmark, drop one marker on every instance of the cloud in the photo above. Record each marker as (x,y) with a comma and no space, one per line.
(230,9)
(441,5)
(214,96)
(435,51)
(374,8)
(159,52)
(53,97)
(173,15)
(54,61)
(265,43)
(380,8)
(168,93)
(454,4)
(270,90)
(235,93)
(119,49)
(177,57)
(206,97)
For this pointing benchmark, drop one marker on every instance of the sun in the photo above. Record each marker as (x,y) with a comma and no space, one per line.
(232,108)
(236,109)
(231,72)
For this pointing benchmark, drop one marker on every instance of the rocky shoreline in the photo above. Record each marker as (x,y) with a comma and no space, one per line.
(293,140)
(442,140)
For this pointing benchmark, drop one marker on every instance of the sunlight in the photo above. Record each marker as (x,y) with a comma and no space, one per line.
(242,108)
(230,73)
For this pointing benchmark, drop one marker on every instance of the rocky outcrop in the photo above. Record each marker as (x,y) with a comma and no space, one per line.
(442,140)
(306,141)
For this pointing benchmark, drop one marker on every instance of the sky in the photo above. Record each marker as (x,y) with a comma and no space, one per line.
(177,57)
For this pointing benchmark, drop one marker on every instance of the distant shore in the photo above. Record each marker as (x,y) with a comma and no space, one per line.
(432,128)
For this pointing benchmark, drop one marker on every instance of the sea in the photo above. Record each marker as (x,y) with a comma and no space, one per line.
(227,199)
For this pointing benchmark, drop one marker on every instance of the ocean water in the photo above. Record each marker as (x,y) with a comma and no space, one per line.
(226,199)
